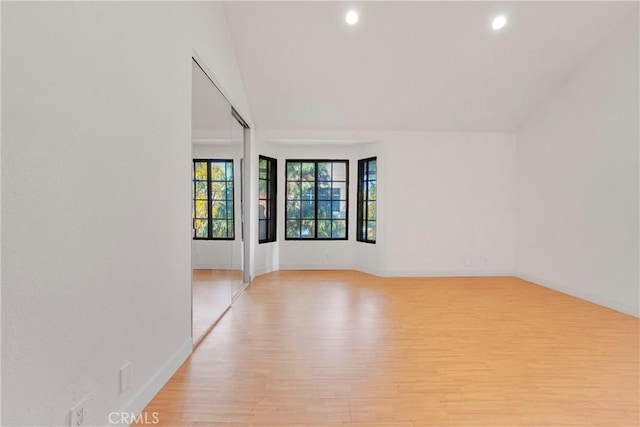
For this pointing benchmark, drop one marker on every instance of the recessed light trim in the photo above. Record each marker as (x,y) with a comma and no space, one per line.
(351,17)
(499,22)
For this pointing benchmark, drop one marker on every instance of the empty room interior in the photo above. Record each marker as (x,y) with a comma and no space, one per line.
(385,213)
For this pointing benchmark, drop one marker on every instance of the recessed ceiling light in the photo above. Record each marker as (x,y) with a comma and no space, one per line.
(498,22)
(352,17)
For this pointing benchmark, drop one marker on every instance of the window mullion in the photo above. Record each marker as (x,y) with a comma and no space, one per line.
(315,201)
(209,222)
(365,177)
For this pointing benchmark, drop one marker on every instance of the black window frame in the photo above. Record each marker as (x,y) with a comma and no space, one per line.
(363,200)
(271,200)
(209,218)
(315,200)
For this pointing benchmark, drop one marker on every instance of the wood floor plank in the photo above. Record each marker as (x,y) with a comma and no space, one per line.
(342,348)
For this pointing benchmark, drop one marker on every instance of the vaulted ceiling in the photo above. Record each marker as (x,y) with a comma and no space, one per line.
(435,66)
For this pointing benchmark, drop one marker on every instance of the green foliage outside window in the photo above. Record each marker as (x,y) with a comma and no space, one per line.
(316,199)
(213,201)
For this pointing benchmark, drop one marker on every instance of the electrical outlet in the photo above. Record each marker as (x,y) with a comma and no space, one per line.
(77,414)
(467,261)
(125,377)
(485,261)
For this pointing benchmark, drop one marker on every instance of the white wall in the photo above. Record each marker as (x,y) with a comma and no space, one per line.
(578,180)
(96,172)
(266,256)
(446,203)
(0,222)
(450,204)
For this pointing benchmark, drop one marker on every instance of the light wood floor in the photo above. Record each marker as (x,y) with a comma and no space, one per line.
(349,349)
(211,296)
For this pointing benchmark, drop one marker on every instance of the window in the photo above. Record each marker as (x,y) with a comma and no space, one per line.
(213,200)
(367,196)
(267,186)
(316,205)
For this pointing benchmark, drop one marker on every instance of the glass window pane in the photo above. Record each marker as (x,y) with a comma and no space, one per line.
(201,209)
(229,190)
(270,206)
(201,226)
(324,210)
(293,171)
(308,191)
(324,191)
(372,169)
(293,210)
(308,209)
(339,191)
(339,171)
(229,175)
(262,229)
(339,228)
(201,190)
(263,213)
(231,229)
(219,209)
(307,228)
(218,190)
(262,189)
(339,210)
(293,229)
(371,230)
(200,172)
(219,228)
(263,169)
(324,171)
(324,229)
(307,172)
(218,171)
(371,210)
(372,190)
(293,190)
(320,206)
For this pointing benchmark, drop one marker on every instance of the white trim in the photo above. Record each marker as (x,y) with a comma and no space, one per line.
(448,273)
(400,273)
(264,270)
(240,292)
(602,300)
(316,267)
(301,141)
(206,265)
(212,141)
(369,270)
(148,391)
(201,62)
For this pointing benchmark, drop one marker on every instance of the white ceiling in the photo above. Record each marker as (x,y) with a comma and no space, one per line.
(434,66)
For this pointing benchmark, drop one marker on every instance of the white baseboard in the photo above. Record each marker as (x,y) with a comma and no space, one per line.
(148,391)
(210,266)
(447,273)
(369,270)
(264,270)
(602,300)
(316,267)
(399,273)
